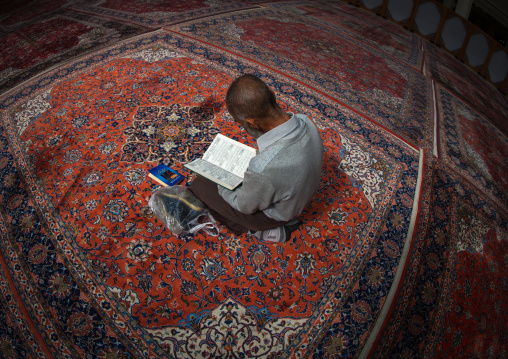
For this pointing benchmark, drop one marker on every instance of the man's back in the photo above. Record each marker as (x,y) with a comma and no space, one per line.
(283,177)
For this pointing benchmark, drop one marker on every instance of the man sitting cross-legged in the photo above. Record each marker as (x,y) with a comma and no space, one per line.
(280,180)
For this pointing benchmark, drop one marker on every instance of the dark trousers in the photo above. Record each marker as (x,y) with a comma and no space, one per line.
(236,221)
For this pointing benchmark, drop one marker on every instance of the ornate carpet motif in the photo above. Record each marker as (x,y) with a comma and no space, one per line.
(37,46)
(155,13)
(453,302)
(156,130)
(84,155)
(368,28)
(473,147)
(361,77)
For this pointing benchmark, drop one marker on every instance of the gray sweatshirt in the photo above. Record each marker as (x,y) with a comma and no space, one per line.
(282,178)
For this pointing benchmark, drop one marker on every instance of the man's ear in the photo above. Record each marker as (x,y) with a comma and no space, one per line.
(252,123)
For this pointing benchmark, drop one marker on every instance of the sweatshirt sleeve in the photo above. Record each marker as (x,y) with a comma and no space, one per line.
(255,194)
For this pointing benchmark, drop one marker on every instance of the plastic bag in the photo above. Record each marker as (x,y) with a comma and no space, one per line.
(181,212)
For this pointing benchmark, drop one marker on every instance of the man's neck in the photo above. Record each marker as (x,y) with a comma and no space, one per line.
(274,122)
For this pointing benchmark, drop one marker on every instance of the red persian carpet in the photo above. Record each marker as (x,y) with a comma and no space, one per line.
(402,251)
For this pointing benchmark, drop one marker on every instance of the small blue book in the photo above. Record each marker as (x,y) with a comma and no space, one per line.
(165,175)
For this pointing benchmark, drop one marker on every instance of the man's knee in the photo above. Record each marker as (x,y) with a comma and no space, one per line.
(203,188)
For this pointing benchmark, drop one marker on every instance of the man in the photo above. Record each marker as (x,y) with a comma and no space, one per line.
(281,180)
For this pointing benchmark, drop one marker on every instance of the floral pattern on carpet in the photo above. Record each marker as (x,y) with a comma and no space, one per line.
(473,147)
(157,130)
(109,261)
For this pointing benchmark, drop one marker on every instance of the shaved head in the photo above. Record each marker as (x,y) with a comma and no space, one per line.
(249,97)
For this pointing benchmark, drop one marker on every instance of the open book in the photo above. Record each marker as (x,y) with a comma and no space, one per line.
(224,162)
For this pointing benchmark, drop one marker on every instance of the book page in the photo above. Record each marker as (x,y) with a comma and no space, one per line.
(229,154)
(214,173)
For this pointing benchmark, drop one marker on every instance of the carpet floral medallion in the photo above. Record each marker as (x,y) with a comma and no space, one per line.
(473,146)
(76,147)
(350,72)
